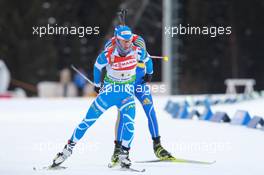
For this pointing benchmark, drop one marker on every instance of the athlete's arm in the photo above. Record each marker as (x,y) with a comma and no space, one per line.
(100,63)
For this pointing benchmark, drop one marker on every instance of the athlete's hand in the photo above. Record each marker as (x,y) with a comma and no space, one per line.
(97,89)
(147,78)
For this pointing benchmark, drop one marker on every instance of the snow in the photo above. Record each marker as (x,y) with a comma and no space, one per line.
(33,130)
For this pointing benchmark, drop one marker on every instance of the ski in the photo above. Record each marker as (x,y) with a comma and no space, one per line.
(114,166)
(176,160)
(49,168)
(132,169)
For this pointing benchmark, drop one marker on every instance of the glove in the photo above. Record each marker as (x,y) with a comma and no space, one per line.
(97,89)
(147,78)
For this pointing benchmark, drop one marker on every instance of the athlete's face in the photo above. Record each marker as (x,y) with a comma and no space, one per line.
(126,44)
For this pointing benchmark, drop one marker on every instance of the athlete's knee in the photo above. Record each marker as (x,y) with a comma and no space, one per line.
(128,107)
(92,115)
(94,110)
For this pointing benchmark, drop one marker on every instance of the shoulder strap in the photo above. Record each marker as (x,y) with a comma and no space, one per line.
(135,37)
(113,42)
(110,57)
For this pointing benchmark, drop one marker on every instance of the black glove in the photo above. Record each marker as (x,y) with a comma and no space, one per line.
(97,89)
(147,78)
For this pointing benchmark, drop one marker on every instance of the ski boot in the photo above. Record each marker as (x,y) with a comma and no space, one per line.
(117,151)
(161,152)
(123,157)
(62,156)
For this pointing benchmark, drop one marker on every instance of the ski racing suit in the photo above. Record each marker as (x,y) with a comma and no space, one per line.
(117,90)
(142,92)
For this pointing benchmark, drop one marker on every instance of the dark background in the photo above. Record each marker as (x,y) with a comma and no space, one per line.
(204,62)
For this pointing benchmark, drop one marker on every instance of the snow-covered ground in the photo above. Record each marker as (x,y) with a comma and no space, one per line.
(33,130)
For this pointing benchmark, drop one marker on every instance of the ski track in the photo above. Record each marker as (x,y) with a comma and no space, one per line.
(34,130)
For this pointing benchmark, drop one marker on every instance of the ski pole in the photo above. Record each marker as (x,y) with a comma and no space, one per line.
(165,58)
(86,78)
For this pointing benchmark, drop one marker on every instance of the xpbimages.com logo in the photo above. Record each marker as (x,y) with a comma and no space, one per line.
(211,31)
(145,89)
(81,31)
